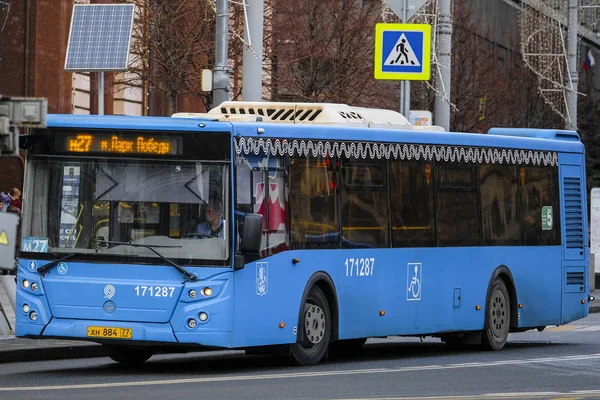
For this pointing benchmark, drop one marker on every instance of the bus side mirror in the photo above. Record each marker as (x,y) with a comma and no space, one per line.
(251,241)
(252,237)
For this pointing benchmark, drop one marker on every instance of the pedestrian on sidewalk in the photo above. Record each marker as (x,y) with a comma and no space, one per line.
(11,201)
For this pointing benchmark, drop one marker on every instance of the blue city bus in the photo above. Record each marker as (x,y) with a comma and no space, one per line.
(296,230)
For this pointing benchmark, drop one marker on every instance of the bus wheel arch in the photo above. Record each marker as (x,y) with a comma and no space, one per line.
(501,285)
(319,290)
(504,273)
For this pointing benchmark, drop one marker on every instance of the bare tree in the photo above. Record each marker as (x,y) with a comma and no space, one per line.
(173,40)
(323,51)
(480,81)
(490,85)
(529,110)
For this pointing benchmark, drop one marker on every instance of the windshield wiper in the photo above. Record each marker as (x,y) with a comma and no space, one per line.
(46,267)
(188,275)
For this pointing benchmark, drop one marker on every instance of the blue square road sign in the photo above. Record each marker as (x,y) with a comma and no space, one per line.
(402,51)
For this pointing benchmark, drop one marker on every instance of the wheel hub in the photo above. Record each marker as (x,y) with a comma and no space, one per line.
(314,324)
(498,314)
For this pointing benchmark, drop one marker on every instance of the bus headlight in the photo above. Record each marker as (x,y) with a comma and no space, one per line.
(192,323)
(207,291)
(33,315)
(25,308)
(203,316)
(34,286)
(192,293)
(25,283)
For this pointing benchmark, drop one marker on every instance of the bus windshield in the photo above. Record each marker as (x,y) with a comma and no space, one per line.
(98,207)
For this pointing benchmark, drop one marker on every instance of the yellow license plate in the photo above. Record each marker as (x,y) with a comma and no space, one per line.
(107,332)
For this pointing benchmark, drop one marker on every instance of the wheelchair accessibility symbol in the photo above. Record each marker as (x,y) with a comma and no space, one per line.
(62,268)
(413,281)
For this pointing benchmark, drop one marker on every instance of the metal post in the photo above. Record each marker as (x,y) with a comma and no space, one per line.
(8,289)
(101,93)
(405,85)
(10,286)
(5,329)
(221,72)
(252,66)
(572,66)
(442,99)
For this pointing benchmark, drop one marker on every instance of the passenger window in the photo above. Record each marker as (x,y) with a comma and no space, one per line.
(412,212)
(457,206)
(501,225)
(364,207)
(539,187)
(313,203)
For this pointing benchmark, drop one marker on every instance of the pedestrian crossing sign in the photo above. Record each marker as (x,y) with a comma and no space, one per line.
(403,52)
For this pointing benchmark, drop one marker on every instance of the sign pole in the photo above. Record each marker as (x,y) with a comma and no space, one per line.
(221,71)
(405,85)
(444,34)
(101,93)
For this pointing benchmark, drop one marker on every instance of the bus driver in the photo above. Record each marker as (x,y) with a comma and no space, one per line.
(213,226)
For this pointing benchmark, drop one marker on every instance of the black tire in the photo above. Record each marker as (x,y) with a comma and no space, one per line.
(129,355)
(316,325)
(348,347)
(497,325)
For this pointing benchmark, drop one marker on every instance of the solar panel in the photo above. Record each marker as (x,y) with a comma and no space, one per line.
(100,37)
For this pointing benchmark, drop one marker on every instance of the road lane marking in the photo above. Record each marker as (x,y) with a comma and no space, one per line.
(491,396)
(318,374)
(592,328)
(576,328)
(563,328)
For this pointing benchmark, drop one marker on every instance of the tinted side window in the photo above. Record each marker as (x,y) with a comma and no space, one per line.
(412,211)
(364,204)
(500,224)
(540,202)
(457,206)
(313,203)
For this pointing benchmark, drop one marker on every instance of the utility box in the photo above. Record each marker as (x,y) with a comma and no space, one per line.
(8,239)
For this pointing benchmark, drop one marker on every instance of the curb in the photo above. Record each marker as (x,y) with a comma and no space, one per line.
(35,353)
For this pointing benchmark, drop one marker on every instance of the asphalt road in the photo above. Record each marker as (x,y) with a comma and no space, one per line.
(558,363)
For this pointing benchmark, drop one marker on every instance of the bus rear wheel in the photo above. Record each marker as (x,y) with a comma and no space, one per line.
(495,334)
(128,355)
(316,329)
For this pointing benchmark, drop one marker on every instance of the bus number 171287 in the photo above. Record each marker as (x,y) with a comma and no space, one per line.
(154,291)
(360,266)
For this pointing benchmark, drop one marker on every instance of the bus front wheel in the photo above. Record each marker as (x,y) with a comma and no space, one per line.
(128,355)
(495,334)
(316,326)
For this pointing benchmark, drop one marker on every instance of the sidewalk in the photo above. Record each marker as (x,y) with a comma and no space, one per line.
(14,349)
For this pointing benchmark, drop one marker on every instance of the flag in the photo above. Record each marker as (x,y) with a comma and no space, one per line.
(589,61)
